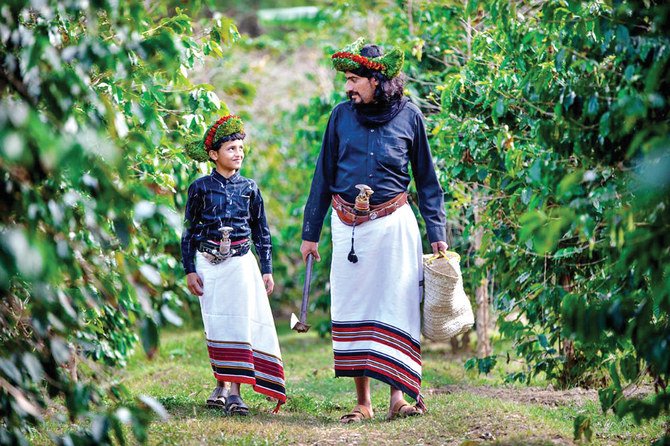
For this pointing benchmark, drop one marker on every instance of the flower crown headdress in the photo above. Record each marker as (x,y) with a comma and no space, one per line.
(350,59)
(224,126)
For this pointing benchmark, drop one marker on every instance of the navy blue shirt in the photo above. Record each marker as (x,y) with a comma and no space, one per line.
(380,157)
(215,201)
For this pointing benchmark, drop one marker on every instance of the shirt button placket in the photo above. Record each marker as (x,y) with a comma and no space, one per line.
(229,201)
(371,142)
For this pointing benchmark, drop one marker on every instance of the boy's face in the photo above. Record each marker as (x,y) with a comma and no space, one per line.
(230,155)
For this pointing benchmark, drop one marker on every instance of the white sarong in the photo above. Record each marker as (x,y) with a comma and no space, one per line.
(375,302)
(239,327)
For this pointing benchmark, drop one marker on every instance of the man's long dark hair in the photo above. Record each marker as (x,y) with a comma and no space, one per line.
(388,90)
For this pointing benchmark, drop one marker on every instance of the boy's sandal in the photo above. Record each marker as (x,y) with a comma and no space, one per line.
(235,406)
(357,414)
(402,409)
(217,399)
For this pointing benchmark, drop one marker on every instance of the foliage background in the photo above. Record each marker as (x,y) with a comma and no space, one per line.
(549,125)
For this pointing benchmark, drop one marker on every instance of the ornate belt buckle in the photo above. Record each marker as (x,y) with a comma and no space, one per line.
(373,215)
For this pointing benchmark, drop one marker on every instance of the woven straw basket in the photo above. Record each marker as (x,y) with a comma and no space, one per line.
(446,309)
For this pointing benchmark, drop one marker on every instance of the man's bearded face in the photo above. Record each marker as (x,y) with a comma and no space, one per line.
(360,90)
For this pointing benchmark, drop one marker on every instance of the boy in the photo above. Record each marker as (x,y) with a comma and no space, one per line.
(223,211)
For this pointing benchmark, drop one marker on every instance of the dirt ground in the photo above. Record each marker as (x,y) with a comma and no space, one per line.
(536,395)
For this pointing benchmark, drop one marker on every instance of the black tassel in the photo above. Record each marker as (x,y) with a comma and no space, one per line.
(352,257)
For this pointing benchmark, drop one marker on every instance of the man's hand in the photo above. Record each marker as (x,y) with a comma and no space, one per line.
(310,248)
(269,283)
(439,247)
(194,284)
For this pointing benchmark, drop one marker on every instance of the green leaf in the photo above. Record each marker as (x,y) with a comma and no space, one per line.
(100,427)
(568,182)
(499,108)
(171,316)
(485,365)
(566,252)
(33,366)
(604,125)
(614,374)
(560,59)
(582,428)
(10,370)
(535,171)
(622,35)
(60,350)
(149,336)
(592,105)
(568,99)
(630,367)
(155,406)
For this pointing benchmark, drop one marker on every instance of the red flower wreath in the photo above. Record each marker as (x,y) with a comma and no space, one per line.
(364,61)
(212,130)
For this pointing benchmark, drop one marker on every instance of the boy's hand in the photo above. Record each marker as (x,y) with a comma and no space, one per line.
(194,284)
(269,283)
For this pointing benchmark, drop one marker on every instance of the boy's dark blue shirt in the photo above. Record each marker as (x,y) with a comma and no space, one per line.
(215,201)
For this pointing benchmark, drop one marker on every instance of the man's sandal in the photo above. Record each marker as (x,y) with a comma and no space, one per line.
(358,414)
(235,406)
(402,409)
(217,400)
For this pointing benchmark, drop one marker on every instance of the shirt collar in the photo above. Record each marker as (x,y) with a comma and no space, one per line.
(233,179)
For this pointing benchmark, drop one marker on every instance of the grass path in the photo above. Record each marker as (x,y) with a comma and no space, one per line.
(464,409)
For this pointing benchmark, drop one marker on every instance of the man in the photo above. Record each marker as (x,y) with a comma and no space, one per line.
(362,170)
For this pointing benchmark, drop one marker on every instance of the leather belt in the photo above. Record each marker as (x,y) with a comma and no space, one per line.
(349,215)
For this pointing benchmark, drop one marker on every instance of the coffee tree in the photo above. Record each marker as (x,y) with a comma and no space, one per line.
(555,115)
(96,105)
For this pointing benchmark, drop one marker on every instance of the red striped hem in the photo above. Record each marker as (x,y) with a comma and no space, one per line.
(270,369)
(416,358)
(271,393)
(362,363)
(411,384)
(235,378)
(375,329)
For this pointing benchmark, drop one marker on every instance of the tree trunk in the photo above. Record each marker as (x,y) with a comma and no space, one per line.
(483,319)
(482,291)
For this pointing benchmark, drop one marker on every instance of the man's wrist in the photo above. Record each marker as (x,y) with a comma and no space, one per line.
(436,233)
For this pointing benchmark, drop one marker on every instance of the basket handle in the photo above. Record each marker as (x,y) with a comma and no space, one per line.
(441,254)
(437,256)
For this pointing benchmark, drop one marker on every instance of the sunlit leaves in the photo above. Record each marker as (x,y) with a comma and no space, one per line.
(92,127)
(561,105)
